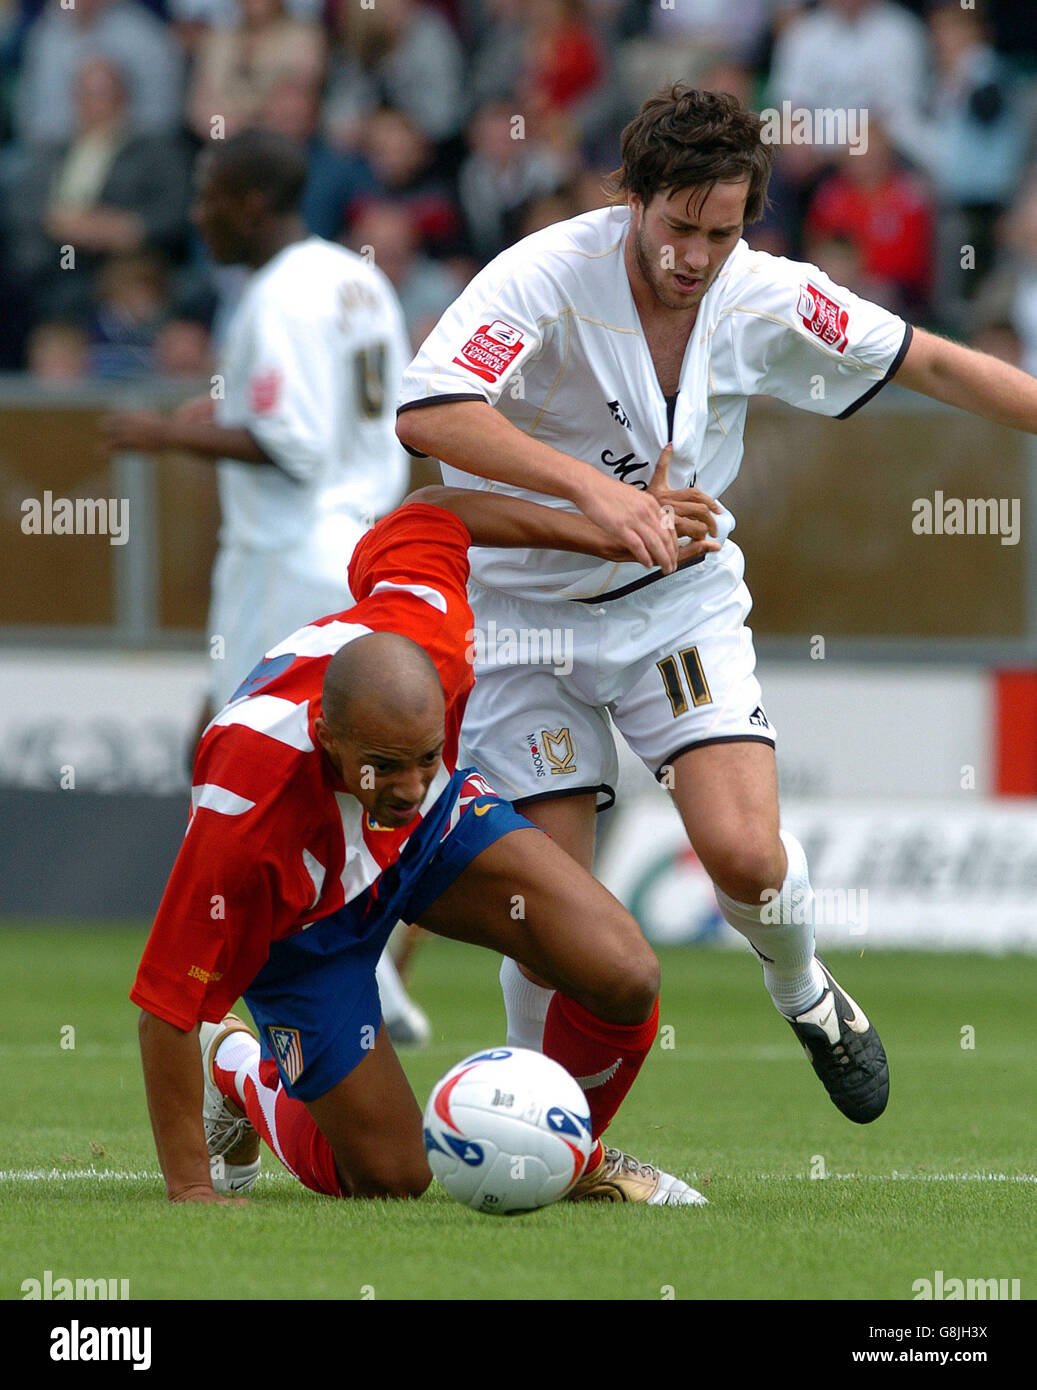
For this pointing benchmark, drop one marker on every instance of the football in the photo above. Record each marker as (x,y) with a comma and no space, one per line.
(507,1131)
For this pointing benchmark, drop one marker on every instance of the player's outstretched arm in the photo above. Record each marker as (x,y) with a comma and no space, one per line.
(971,380)
(173,1083)
(150,432)
(493,519)
(476,438)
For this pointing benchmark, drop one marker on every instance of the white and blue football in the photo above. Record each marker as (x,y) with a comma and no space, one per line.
(507,1130)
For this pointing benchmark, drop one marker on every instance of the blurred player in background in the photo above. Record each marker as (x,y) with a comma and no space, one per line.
(301,432)
(327,803)
(559,374)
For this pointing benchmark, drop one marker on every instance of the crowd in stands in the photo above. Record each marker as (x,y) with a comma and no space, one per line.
(440,131)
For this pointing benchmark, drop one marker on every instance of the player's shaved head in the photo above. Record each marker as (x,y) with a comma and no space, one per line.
(383,724)
(382,677)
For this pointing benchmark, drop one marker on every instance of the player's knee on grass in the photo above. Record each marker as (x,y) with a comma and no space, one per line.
(400,1177)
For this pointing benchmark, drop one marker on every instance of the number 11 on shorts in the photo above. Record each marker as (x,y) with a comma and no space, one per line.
(693,674)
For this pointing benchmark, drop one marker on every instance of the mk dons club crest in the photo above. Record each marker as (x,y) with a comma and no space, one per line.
(559,750)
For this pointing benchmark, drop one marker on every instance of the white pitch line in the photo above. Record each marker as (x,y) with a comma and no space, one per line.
(897,1177)
(275,1175)
(104,1174)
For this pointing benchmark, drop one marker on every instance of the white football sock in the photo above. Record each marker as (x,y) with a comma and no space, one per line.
(396,1002)
(238,1053)
(526,1005)
(785,945)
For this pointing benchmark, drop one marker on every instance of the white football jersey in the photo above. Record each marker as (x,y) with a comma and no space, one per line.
(312,359)
(549,334)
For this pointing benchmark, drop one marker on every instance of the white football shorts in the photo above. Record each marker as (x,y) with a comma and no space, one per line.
(670,664)
(259,597)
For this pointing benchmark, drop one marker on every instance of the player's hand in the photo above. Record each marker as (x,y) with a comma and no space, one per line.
(635,518)
(145,430)
(203,1194)
(198,410)
(691,512)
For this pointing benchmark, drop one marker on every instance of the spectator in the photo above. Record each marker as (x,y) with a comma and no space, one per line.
(403,161)
(237,69)
(500,51)
(865,58)
(386,232)
(498,178)
(564,59)
(1018,274)
(335,178)
(972,144)
(733,28)
(106,191)
(842,258)
(547,210)
(193,19)
(182,348)
(58,353)
(402,54)
(885,212)
(866,54)
(132,306)
(119,30)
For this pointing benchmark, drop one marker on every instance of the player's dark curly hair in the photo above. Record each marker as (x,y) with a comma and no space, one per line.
(684,138)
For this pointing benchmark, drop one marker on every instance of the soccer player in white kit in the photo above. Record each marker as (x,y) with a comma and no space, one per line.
(301,426)
(560,374)
(301,431)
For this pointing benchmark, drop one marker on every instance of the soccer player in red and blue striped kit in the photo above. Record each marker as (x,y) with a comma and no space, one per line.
(327,804)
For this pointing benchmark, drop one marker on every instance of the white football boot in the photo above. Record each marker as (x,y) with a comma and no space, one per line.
(620,1177)
(232,1142)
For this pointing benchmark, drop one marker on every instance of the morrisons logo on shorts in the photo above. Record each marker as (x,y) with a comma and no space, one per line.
(524,646)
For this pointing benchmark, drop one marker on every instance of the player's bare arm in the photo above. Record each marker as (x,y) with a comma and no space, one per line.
(173,1083)
(476,438)
(151,432)
(496,520)
(971,380)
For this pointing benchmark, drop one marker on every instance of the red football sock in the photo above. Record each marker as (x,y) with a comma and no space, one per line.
(604,1057)
(285,1124)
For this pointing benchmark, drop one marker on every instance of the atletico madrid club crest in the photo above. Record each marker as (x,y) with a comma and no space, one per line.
(288,1050)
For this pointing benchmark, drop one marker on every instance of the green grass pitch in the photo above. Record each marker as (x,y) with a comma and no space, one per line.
(944,1181)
